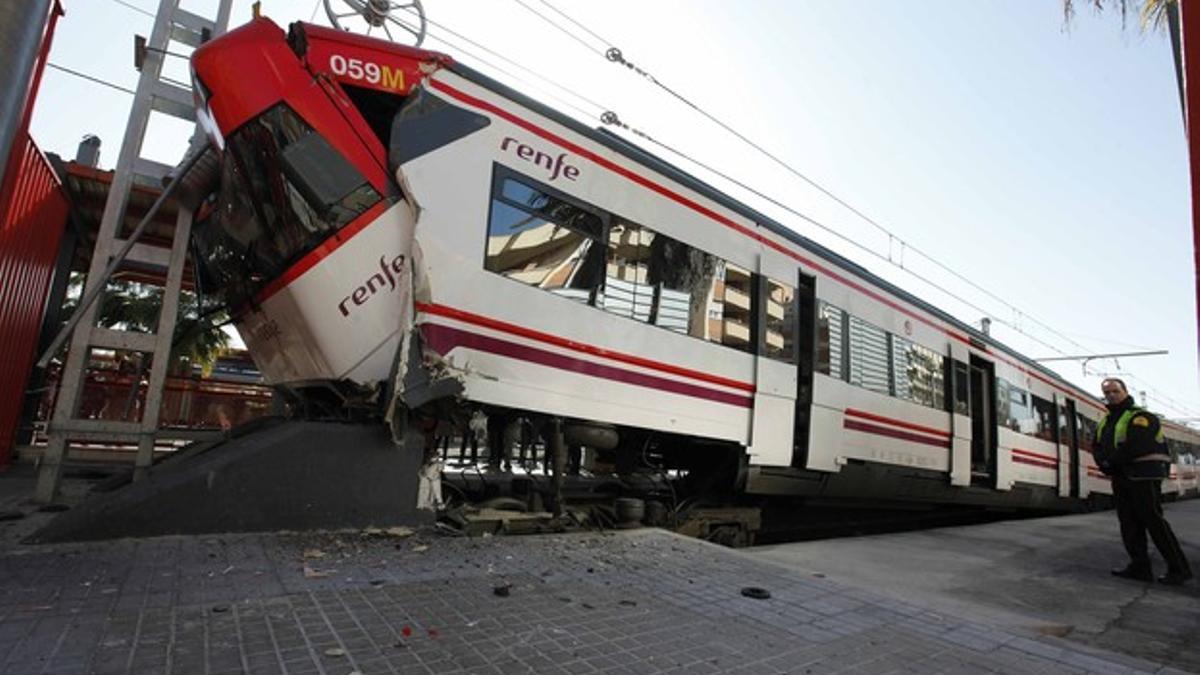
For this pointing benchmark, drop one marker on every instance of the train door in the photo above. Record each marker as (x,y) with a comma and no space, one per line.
(1068,434)
(983,422)
(806,352)
(776,327)
(959,395)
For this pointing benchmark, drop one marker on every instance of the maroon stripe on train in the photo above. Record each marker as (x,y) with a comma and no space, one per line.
(1035,455)
(894,433)
(442,339)
(900,423)
(1033,462)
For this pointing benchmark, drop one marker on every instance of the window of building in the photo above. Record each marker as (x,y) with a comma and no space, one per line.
(627,289)
(829,340)
(544,240)
(689,284)
(919,372)
(780,315)
(869,362)
(736,293)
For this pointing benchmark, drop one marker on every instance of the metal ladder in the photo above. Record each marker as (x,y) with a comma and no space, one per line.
(154,94)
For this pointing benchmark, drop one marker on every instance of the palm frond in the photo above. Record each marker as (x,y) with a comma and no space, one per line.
(1154,15)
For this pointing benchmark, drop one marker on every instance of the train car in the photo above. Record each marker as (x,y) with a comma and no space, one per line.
(1184,480)
(397,232)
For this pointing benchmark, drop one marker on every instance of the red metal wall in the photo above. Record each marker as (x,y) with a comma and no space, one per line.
(33,213)
(31,229)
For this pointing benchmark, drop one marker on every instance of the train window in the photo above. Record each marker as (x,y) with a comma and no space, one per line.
(962,388)
(919,373)
(697,294)
(829,340)
(1064,429)
(544,241)
(869,367)
(627,291)
(1087,432)
(780,339)
(1003,403)
(283,191)
(690,291)
(1043,419)
(1013,407)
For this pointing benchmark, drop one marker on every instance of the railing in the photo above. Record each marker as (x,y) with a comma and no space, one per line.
(188,402)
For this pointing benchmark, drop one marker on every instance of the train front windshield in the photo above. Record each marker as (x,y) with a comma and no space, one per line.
(283,191)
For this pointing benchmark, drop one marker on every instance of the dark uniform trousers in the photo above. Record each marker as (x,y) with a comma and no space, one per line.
(1139,510)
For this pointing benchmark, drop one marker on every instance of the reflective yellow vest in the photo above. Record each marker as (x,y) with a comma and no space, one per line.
(1122,431)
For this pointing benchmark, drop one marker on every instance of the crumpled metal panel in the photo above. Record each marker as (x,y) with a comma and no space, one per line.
(31,227)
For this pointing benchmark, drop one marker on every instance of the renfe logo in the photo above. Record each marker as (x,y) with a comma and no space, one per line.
(555,165)
(386,276)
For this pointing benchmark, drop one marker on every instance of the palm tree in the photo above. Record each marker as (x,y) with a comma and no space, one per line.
(1153,16)
(198,337)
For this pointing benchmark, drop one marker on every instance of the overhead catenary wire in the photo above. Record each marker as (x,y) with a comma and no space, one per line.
(566,32)
(594,115)
(539,76)
(90,78)
(614,54)
(135,8)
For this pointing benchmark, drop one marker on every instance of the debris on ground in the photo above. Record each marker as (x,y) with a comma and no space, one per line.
(756,593)
(313,573)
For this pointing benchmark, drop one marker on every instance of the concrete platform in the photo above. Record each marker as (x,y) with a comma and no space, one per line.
(631,602)
(1047,575)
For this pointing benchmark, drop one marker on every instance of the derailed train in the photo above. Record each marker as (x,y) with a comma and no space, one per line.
(396,232)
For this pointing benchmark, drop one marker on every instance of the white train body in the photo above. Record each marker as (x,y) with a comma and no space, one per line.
(430,282)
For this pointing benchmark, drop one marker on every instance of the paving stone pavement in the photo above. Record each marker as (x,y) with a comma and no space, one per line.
(631,602)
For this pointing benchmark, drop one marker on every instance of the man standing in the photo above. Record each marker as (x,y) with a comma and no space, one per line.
(1131,450)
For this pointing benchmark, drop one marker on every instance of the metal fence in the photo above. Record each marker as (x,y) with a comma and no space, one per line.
(33,214)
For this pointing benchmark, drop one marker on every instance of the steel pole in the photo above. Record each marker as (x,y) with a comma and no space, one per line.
(22,25)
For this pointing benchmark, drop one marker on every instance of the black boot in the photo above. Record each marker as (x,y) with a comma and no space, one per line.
(1135,572)
(1175,577)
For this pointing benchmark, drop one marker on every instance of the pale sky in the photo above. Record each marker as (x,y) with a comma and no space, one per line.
(1048,167)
